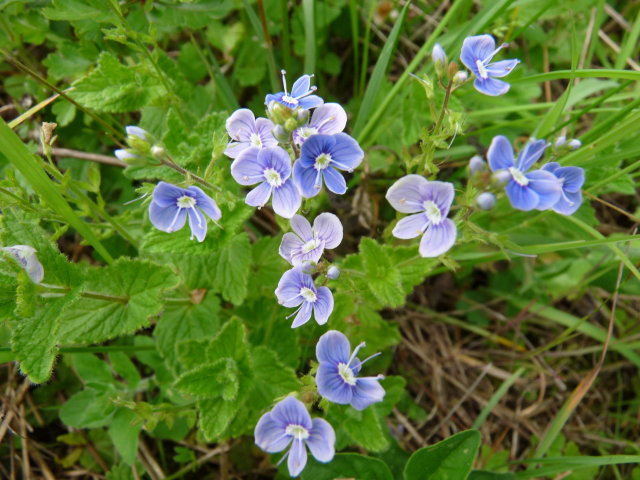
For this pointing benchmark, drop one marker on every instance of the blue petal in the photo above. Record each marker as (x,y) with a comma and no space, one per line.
(329,119)
(491,86)
(297,457)
(259,196)
(303,316)
(270,435)
(551,167)
(568,203)
(334,181)
(572,178)
(411,226)
(315,146)
(522,197)
(276,158)
(301,86)
(290,243)
(547,186)
(286,199)
(530,154)
(168,219)
(241,124)
(406,194)
(322,440)
(308,180)
(331,385)
(478,47)
(438,239)
(323,306)
(310,101)
(440,193)
(273,97)
(367,391)
(166,194)
(502,68)
(198,224)
(302,227)
(291,411)
(346,154)
(246,169)
(327,227)
(288,291)
(500,153)
(333,347)
(205,203)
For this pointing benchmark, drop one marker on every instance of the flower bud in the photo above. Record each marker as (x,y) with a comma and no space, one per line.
(26,257)
(453,69)
(459,78)
(575,144)
(501,177)
(281,134)
(477,165)
(157,151)
(309,267)
(290,124)
(138,132)
(302,116)
(130,158)
(560,141)
(278,113)
(486,201)
(439,59)
(333,273)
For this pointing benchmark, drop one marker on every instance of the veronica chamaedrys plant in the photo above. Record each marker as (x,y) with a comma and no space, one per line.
(296,289)
(289,425)
(429,202)
(307,243)
(477,53)
(300,95)
(571,180)
(327,119)
(247,131)
(26,257)
(538,189)
(269,167)
(170,206)
(337,376)
(321,156)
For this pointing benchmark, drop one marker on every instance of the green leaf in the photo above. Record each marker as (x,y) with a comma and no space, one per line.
(347,465)
(232,270)
(273,379)
(191,353)
(124,434)
(93,371)
(450,459)
(114,87)
(212,380)
(73,10)
(382,277)
(365,428)
(117,300)
(123,366)
(485,475)
(215,415)
(89,408)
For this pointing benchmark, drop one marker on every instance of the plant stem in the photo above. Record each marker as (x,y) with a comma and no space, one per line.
(168,162)
(447,95)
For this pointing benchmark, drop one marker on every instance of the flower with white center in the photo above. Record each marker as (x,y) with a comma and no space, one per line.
(477,53)
(538,189)
(571,179)
(296,289)
(26,257)
(327,119)
(300,95)
(337,376)
(171,205)
(289,425)
(270,167)
(247,131)
(306,243)
(429,202)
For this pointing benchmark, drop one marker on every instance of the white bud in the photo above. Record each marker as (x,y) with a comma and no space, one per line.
(26,257)
(477,164)
(501,177)
(459,78)
(333,273)
(486,201)
(574,144)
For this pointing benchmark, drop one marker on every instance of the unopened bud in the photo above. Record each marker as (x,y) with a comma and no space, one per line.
(501,177)
(453,69)
(477,165)
(439,59)
(130,158)
(138,132)
(278,113)
(309,267)
(290,124)
(333,273)
(157,151)
(560,141)
(574,144)
(459,78)
(26,257)
(281,134)
(486,201)
(302,116)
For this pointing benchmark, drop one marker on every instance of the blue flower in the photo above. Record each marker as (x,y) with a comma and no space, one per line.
(526,190)
(321,156)
(337,376)
(307,243)
(439,58)
(171,205)
(245,131)
(26,257)
(271,168)
(327,119)
(300,95)
(430,202)
(571,179)
(477,53)
(296,289)
(289,425)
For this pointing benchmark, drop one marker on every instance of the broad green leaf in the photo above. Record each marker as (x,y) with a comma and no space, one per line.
(123,366)
(211,380)
(347,465)
(230,342)
(485,475)
(232,270)
(366,429)
(116,300)
(214,417)
(382,277)
(93,371)
(88,408)
(191,353)
(124,434)
(450,459)
(273,380)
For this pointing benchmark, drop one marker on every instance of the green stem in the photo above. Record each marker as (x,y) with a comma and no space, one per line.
(168,162)
(445,104)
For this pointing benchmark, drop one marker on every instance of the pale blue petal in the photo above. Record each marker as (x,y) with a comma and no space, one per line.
(303,316)
(331,385)
(333,347)
(301,86)
(491,86)
(308,180)
(474,48)
(322,440)
(346,154)
(270,435)
(291,411)
(334,181)
(411,226)
(323,306)
(522,198)
(572,178)
(500,153)
(197,223)
(276,158)
(302,227)
(286,199)
(329,119)
(246,169)
(290,243)
(440,193)
(406,194)
(438,239)
(328,228)
(502,68)
(310,101)
(297,457)
(205,203)
(288,291)
(547,186)
(315,146)
(568,203)
(366,392)
(241,124)
(259,196)
(168,219)
(264,129)
(166,194)
(530,154)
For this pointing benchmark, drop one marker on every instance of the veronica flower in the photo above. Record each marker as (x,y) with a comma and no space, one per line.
(125,155)
(321,156)
(571,180)
(290,425)
(245,131)
(526,190)
(306,243)
(171,205)
(300,95)
(296,289)
(327,119)
(477,53)
(271,168)
(139,133)
(26,257)
(338,369)
(429,202)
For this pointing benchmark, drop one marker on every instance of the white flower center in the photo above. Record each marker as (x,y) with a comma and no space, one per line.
(308,294)
(255,140)
(433,212)
(322,161)
(297,431)
(306,132)
(482,70)
(518,177)
(346,373)
(310,245)
(273,177)
(186,202)
(288,99)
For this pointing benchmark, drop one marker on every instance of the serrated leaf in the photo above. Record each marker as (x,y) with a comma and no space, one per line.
(365,429)
(118,300)
(124,434)
(88,408)
(231,342)
(232,270)
(191,353)
(382,277)
(215,415)
(212,380)
(347,465)
(272,378)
